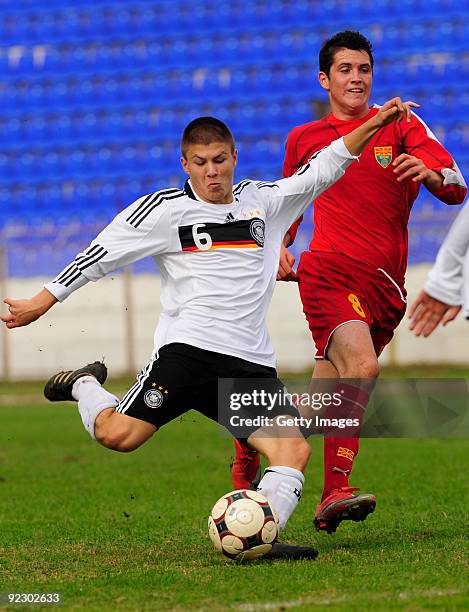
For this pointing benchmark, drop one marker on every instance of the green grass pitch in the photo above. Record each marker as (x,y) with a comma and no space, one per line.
(129,532)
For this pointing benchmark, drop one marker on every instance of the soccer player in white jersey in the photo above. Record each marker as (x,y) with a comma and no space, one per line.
(446,290)
(217,248)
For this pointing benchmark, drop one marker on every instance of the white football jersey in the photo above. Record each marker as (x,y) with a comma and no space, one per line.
(218,262)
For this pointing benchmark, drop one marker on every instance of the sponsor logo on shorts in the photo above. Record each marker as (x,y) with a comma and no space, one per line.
(383,156)
(345,452)
(153,398)
(353,299)
(257,231)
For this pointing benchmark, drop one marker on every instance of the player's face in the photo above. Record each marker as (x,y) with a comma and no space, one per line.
(348,83)
(211,169)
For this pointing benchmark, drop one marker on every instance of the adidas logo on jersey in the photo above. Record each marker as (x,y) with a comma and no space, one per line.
(229,217)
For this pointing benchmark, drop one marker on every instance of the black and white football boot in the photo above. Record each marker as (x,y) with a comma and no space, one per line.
(59,387)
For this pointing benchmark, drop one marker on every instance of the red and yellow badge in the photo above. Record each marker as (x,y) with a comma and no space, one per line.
(347,453)
(383,156)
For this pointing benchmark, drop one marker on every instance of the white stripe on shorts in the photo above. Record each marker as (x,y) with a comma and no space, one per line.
(132,393)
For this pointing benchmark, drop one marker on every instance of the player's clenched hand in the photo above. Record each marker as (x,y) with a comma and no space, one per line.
(395,110)
(285,268)
(426,313)
(24,312)
(410,167)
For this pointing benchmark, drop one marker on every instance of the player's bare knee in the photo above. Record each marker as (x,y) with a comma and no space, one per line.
(369,368)
(365,368)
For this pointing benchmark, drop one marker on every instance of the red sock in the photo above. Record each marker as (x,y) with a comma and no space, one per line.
(340,453)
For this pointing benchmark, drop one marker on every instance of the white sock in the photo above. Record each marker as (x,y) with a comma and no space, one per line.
(282,486)
(92,399)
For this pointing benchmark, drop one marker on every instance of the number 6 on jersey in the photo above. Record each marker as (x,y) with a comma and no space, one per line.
(203,240)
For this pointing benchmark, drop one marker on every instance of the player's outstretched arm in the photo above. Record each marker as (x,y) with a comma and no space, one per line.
(426,313)
(393,110)
(24,312)
(447,284)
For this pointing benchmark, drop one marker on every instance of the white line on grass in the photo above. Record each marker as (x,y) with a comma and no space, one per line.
(325,601)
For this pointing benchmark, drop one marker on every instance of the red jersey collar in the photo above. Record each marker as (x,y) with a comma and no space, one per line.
(332,119)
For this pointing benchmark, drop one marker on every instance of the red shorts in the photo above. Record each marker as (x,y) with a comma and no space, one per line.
(335,289)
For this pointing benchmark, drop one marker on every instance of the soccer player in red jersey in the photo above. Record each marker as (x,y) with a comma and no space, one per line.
(351,280)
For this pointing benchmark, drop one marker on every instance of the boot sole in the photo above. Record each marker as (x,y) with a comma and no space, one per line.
(356,509)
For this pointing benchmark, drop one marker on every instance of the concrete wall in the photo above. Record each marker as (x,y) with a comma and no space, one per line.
(94,323)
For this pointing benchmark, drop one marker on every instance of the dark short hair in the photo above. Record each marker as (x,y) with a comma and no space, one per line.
(343,40)
(205,130)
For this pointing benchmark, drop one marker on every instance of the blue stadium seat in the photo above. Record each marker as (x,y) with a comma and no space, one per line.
(97,119)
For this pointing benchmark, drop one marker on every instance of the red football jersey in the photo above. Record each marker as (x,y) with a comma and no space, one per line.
(365,214)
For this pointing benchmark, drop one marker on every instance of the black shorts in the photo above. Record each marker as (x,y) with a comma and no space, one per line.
(184,378)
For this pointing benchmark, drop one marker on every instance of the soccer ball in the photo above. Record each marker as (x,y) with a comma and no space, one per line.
(243,525)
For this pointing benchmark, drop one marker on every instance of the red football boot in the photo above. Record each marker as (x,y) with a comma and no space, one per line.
(343,505)
(246,467)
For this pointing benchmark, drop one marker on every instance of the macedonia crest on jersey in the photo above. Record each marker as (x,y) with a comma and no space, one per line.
(383,156)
